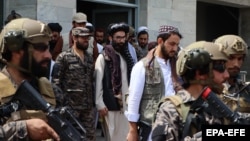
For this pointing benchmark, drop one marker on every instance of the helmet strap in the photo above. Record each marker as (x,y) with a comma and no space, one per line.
(30,51)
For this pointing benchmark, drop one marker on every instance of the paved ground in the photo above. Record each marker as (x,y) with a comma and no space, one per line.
(99,135)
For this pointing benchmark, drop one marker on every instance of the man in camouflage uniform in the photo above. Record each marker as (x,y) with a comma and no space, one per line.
(236,92)
(80,20)
(73,73)
(201,64)
(24,50)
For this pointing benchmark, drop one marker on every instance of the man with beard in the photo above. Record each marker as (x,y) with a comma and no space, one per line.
(56,42)
(112,84)
(152,78)
(55,46)
(99,35)
(80,20)
(201,65)
(236,92)
(73,73)
(25,51)
(142,39)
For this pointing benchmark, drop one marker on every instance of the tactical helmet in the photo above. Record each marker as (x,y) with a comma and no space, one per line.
(233,44)
(197,55)
(17,31)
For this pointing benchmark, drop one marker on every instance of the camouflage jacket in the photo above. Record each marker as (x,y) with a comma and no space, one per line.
(13,131)
(169,122)
(75,78)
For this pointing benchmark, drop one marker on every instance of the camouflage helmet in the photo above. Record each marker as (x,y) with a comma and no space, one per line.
(197,55)
(233,44)
(17,31)
(80,31)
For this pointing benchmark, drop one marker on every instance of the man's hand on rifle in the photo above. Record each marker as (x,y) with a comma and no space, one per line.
(40,130)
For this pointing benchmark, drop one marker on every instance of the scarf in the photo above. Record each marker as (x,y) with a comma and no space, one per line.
(129,60)
(114,65)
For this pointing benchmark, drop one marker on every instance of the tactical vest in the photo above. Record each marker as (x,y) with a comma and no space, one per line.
(182,107)
(178,102)
(7,91)
(191,118)
(153,92)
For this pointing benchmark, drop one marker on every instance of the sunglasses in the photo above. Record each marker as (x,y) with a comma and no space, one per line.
(219,66)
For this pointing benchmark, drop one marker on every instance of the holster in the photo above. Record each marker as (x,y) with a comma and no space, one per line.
(144,130)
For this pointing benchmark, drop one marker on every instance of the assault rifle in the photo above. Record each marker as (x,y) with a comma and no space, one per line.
(61,120)
(216,104)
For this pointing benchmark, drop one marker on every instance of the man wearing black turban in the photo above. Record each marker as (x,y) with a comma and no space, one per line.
(56,43)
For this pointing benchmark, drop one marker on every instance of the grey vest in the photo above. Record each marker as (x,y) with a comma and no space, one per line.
(153,92)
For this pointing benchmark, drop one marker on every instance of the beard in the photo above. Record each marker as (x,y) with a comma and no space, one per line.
(167,55)
(100,41)
(143,45)
(82,46)
(36,67)
(118,46)
(234,72)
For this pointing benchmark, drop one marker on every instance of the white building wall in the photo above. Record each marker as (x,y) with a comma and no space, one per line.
(60,11)
(178,13)
(152,13)
(47,11)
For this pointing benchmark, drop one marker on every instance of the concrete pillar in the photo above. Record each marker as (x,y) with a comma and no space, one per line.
(245,34)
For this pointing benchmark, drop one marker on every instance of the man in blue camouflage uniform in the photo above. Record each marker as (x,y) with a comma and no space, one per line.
(25,52)
(201,64)
(73,73)
(236,92)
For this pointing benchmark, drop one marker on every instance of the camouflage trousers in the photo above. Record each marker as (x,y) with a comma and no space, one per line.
(88,119)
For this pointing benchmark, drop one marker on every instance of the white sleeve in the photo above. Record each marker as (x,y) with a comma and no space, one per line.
(136,87)
(99,72)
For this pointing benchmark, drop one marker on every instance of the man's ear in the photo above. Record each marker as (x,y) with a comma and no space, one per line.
(200,76)
(74,38)
(17,55)
(159,41)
